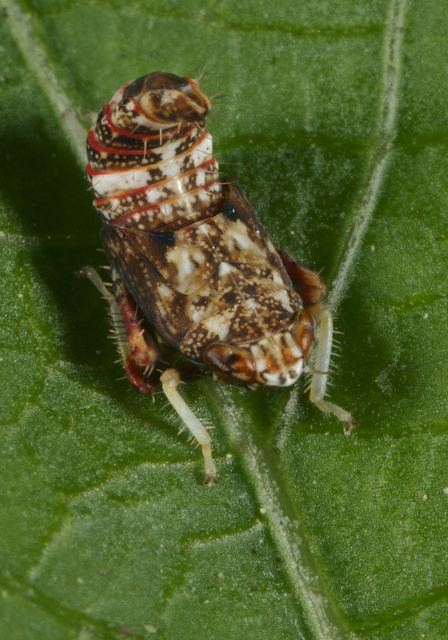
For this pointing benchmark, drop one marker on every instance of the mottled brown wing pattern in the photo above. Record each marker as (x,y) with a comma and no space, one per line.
(243,288)
(213,280)
(131,253)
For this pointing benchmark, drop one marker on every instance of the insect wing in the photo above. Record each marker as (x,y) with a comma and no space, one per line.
(238,208)
(133,254)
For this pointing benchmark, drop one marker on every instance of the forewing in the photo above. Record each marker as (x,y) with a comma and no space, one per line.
(135,255)
(238,208)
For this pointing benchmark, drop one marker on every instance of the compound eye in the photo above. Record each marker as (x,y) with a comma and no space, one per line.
(229,362)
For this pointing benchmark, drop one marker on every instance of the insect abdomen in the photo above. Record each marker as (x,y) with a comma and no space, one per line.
(147,172)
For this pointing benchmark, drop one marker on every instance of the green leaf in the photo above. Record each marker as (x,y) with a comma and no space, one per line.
(334,124)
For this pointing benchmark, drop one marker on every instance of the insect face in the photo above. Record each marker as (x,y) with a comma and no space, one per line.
(276,361)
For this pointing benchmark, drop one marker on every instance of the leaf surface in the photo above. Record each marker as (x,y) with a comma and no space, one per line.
(333,122)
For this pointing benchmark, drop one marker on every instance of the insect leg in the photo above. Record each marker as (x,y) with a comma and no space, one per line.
(306,282)
(170,380)
(138,352)
(319,379)
(312,291)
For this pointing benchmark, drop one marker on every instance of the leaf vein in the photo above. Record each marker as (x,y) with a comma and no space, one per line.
(405,611)
(188,542)
(321,615)
(381,150)
(309,587)
(65,615)
(38,60)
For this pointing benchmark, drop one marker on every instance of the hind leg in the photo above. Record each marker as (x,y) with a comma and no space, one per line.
(138,351)
(313,292)
(170,380)
(319,377)
(139,354)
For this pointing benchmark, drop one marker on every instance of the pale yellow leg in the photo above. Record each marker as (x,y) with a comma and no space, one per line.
(170,380)
(324,336)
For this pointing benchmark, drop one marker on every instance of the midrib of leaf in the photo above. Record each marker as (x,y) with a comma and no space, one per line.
(283,520)
(38,60)
(321,614)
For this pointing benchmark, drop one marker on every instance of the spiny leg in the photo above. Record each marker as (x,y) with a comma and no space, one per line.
(138,352)
(170,380)
(312,291)
(319,378)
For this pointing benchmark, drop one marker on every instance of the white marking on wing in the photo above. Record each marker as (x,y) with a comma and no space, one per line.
(282,296)
(225,268)
(217,325)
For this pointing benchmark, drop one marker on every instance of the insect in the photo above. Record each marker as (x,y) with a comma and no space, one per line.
(193,271)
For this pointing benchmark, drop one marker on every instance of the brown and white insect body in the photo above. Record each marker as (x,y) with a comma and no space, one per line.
(192,267)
